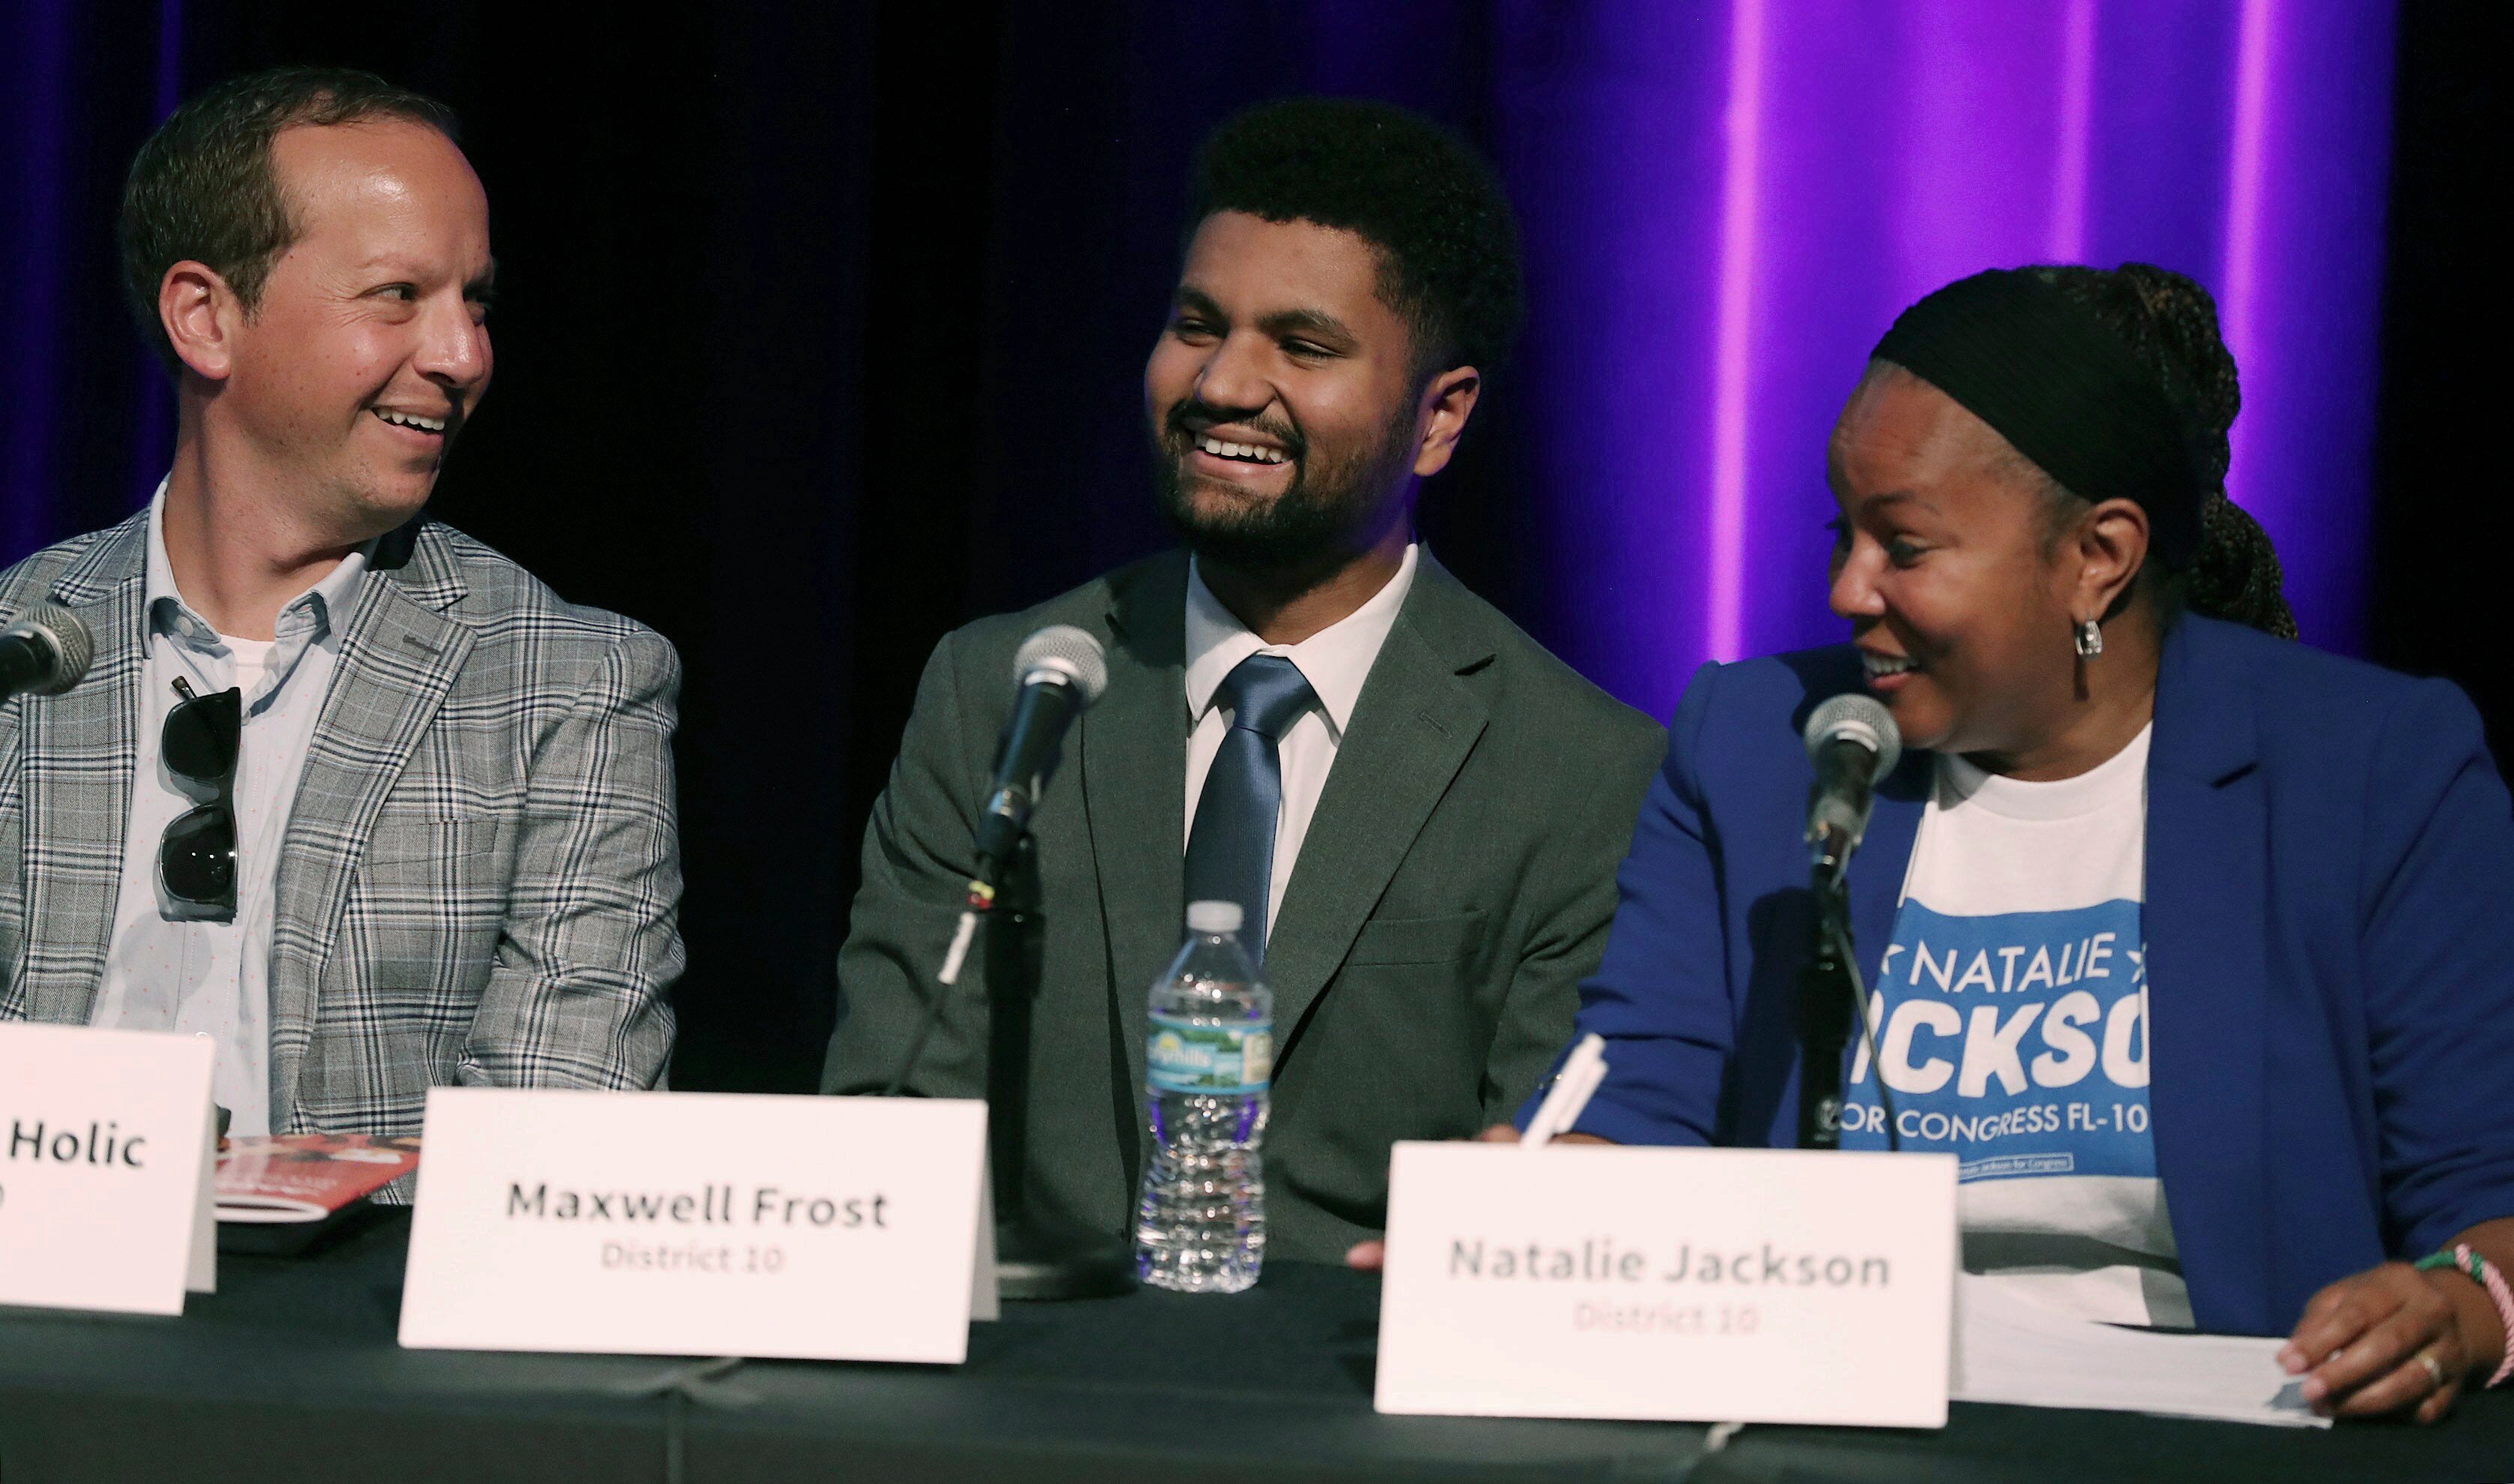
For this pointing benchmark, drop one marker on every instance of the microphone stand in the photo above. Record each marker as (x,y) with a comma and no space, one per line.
(1827,1001)
(1037,1256)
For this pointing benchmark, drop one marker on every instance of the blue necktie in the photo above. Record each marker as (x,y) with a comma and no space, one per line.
(1231,850)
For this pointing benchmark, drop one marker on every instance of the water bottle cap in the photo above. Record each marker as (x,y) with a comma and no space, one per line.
(1214,916)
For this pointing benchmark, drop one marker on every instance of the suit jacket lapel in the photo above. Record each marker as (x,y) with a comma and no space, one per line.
(1133,766)
(398,661)
(2205,918)
(1411,731)
(80,750)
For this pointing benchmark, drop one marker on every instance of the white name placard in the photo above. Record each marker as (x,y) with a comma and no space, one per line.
(1684,1285)
(107,1149)
(700,1223)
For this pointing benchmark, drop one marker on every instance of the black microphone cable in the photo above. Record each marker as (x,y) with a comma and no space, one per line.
(1840,933)
(980,902)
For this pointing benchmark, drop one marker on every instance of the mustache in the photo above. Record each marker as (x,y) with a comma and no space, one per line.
(1176,424)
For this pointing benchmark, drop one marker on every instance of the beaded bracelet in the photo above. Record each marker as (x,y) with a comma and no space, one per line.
(2477,1269)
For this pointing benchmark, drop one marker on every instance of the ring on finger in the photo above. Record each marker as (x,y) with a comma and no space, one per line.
(2435,1369)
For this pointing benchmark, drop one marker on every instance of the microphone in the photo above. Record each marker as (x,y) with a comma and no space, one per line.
(1854,741)
(44,652)
(1058,671)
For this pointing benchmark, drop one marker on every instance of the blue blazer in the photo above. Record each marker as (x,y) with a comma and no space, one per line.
(2329,887)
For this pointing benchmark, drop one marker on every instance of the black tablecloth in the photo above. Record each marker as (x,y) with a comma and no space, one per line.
(289,1372)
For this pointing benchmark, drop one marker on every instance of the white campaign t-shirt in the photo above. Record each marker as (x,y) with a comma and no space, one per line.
(2011,1016)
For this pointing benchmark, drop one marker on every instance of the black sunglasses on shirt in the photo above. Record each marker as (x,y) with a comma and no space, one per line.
(197,859)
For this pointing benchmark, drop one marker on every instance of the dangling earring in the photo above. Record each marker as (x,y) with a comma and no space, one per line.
(2091,640)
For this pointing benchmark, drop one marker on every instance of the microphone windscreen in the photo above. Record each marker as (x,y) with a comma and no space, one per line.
(1067,651)
(72,646)
(1863,719)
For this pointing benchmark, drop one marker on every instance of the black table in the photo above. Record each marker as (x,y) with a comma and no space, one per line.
(289,1372)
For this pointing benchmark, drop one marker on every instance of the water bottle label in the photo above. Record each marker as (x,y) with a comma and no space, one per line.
(1186,1056)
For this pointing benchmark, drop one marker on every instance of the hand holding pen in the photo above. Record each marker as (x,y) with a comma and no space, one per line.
(1582,1072)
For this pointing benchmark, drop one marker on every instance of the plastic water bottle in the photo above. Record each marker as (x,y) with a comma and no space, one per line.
(1209,1054)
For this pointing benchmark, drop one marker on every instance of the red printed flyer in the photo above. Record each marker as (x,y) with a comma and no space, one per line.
(305,1177)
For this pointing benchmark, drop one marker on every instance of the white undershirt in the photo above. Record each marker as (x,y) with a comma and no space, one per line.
(252,661)
(1335,661)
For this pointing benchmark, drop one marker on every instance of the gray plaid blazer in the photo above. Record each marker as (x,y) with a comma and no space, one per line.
(481,878)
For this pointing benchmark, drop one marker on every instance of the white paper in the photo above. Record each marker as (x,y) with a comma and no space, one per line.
(698,1224)
(105,1150)
(1581,1280)
(2010,1349)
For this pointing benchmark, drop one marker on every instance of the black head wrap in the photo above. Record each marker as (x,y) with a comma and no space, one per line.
(2064,391)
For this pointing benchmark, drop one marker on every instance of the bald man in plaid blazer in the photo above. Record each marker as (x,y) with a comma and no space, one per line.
(481,873)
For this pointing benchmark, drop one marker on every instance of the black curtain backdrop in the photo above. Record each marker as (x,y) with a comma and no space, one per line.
(2441,581)
(820,332)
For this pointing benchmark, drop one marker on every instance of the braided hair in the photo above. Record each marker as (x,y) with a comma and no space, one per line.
(2170,324)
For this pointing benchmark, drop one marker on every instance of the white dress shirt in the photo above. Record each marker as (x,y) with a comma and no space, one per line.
(170,970)
(1335,661)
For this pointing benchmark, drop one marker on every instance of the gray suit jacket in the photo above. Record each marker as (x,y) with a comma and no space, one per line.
(1454,888)
(481,873)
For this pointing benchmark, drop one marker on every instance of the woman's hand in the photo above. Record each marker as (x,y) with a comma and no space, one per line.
(2389,1340)
(1372,1256)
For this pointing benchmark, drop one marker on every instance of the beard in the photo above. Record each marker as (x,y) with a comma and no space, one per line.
(1334,506)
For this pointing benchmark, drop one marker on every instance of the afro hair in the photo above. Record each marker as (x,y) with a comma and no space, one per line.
(1447,241)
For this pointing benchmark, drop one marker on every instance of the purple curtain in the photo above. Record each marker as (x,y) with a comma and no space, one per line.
(1728,204)
(86,419)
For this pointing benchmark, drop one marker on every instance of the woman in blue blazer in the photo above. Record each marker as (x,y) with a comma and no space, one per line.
(2118,768)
